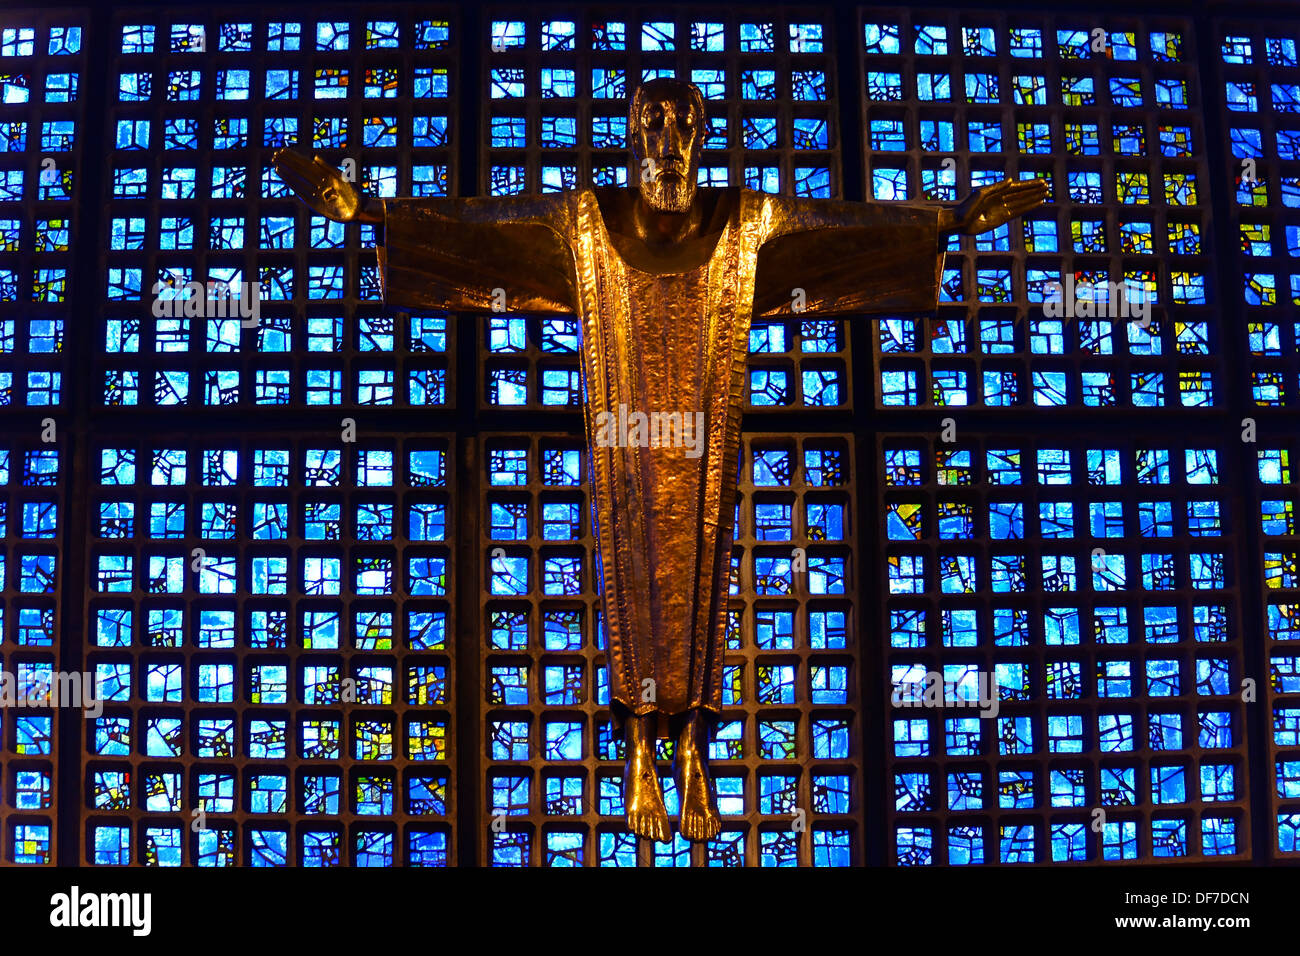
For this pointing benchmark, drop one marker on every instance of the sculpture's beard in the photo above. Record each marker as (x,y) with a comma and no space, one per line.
(669,193)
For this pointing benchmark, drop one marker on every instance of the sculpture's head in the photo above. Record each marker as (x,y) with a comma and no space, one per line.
(666,127)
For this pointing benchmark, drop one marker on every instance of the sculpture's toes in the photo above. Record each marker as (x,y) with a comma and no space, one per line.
(650,825)
(638,823)
(700,826)
(692,825)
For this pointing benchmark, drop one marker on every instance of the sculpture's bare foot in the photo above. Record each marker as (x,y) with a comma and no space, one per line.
(700,820)
(643,801)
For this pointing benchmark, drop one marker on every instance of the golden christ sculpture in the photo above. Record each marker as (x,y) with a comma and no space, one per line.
(665,278)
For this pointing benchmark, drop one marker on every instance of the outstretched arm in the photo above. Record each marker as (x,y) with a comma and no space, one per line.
(481,255)
(846,257)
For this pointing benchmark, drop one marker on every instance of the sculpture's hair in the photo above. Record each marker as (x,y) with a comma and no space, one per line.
(651,87)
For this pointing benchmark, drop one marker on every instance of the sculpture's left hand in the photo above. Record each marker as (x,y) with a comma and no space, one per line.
(991,206)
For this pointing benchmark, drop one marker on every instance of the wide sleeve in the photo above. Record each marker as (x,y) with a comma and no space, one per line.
(847,257)
(455,254)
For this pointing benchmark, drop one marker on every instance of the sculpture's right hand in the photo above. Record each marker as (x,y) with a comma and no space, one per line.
(319,185)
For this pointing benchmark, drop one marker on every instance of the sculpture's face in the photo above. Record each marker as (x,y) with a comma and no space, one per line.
(666,131)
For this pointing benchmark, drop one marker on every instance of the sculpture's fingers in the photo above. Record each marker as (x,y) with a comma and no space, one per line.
(322,170)
(286,160)
(1031,195)
(1026,187)
(296,171)
(1024,205)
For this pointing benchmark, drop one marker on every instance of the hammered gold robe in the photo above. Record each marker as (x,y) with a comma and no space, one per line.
(666,335)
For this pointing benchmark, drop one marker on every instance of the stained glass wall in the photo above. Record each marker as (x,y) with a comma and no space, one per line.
(42,121)
(1081,581)
(331,563)
(268,598)
(1257,75)
(1108,118)
(1076,599)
